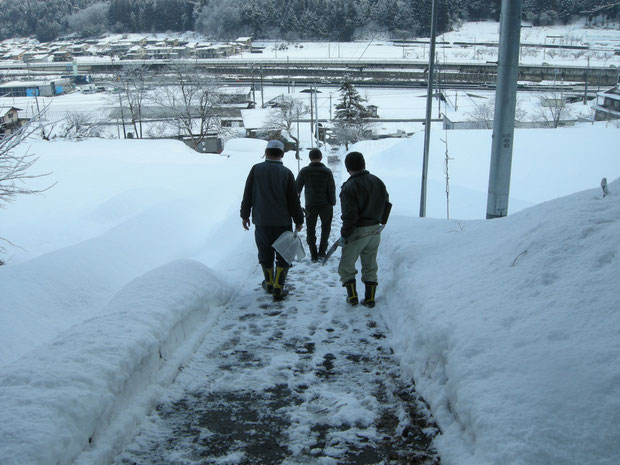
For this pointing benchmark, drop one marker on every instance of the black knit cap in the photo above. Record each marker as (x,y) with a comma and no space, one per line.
(354,161)
(315,154)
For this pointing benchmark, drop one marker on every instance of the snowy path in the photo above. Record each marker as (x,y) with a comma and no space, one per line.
(303,381)
(307,380)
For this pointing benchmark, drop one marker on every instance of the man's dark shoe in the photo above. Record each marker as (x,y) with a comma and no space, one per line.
(351,292)
(369,298)
(313,253)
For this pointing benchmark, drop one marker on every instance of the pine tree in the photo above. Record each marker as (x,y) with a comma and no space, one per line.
(351,118)
(350,108)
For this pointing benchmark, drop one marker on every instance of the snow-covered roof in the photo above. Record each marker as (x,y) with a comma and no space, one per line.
(26,83)
(613,93)
(256,118)
(234,90)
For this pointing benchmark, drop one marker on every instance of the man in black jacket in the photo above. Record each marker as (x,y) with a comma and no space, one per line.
(320,200)
(363,201)
(272,199)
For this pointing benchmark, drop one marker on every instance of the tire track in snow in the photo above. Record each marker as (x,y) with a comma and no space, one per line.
(303,381)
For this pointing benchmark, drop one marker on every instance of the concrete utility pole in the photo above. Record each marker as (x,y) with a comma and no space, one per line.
(429,108)
(311,119)
(262,89)
(316,109)
(505,104)
(585,91)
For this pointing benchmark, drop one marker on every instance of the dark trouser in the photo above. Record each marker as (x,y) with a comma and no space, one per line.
(326,213)
(265,236)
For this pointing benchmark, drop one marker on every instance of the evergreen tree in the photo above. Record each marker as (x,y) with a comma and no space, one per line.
(350,107)
(351,122)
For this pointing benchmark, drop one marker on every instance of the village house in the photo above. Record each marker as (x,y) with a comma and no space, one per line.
(120,48)
(61,55)
(214,51)
(10,120)
(137,52)
(156,52)
(78,50)
(607,105)
(181,51)
(244,42)
(17,55)
(236,95)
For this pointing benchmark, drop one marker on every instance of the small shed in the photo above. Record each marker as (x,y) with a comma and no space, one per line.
(244,42)
(607,105)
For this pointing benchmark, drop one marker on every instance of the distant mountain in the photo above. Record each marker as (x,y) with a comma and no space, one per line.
(283,19)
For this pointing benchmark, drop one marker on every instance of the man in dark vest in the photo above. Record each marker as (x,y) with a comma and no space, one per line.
(271,197)
(364,202)
(318,181)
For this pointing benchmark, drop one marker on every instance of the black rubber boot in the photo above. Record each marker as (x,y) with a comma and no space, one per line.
(268,281)
(369,298)
(351,292)
(322,247)
(278,283)
(314,256)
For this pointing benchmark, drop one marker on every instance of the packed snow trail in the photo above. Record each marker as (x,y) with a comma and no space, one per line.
(306,380)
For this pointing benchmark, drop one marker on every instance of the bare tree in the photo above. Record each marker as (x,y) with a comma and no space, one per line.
(15,168)
(192,100)
(484,113)
(80,125)
(347,133)
(552,109)
(133,91)
(285,114)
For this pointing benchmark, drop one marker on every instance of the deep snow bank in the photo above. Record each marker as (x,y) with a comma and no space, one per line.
(510,329)
(120,209)
(546,164)
(61,396)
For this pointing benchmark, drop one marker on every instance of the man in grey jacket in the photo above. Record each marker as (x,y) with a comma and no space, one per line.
(271,197)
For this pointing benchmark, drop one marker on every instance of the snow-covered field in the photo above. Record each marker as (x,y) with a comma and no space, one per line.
(508,327)
(598,46)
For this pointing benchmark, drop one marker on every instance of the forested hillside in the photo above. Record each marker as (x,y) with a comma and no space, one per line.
(284,19)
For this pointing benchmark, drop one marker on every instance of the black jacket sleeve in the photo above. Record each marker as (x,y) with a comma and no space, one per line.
(348,205)
(331,189)
(300,182)
(294,205)
(246,203)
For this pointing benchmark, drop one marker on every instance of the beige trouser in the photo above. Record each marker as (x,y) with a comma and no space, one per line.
(366,250)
